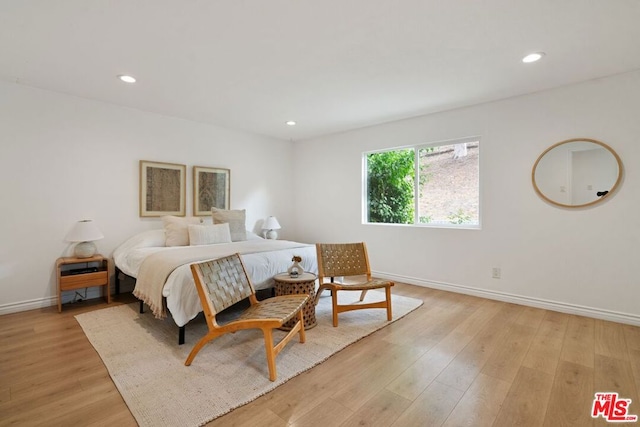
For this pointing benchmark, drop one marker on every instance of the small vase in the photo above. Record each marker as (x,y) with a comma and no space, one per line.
(295,270)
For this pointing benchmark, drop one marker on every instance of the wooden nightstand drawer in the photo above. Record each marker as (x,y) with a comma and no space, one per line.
(85,280)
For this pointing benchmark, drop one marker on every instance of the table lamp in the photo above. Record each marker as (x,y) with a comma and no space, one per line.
(271,224)
(84,232)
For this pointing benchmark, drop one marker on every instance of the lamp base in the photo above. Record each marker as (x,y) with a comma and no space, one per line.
(85,250)
(272,234)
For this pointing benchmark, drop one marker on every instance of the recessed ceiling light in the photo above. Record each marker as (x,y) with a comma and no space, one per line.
(290,123)
(127,79)
(533,57)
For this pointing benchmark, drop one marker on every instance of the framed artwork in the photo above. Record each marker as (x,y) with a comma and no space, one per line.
(211,189)
(162,189)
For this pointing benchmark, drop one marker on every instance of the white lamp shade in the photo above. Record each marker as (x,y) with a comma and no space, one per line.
(84,231)
(271,223)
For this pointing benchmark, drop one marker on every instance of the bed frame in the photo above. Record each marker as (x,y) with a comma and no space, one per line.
(181,329)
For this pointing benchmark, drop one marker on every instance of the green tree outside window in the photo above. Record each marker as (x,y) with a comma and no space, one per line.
(390,186)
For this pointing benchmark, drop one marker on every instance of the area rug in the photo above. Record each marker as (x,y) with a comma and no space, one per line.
(146,363)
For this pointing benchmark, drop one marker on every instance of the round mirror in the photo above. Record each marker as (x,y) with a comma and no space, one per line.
(576,172)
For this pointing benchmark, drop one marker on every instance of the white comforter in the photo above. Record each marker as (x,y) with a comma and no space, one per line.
(180,292)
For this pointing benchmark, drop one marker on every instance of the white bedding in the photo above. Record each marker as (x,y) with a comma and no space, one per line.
(179,290)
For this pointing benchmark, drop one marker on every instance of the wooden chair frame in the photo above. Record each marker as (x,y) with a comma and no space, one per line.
(344,260)
(290,306)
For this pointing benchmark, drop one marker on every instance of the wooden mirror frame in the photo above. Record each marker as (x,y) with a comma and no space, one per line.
(598,200)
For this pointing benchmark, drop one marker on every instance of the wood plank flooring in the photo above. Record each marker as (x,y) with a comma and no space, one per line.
(456,361)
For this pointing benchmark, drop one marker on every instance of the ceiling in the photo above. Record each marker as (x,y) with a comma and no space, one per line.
(330,65)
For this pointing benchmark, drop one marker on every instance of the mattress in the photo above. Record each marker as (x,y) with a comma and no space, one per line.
(263,260)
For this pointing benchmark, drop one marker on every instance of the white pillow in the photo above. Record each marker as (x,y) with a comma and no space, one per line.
(209,234)
(145,239)
(176,229)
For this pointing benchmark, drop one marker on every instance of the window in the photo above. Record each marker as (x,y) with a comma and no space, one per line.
(431,184)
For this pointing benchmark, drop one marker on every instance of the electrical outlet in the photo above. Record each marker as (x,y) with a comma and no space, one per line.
(495,272)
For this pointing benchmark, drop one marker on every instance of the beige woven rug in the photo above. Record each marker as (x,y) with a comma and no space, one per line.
(147,365)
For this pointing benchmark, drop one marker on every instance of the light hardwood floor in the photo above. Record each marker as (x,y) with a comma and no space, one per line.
(456,361)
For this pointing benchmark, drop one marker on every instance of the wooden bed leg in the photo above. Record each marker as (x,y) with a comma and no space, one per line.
(181,335)
(141,307)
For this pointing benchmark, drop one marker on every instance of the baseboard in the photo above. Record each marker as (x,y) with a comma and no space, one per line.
(597,313)
(28,305)
(68,296)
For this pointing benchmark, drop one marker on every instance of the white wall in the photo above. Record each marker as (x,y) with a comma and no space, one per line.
(581,260)
(63,159)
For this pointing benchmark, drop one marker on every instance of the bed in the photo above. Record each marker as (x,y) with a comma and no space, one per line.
(163,278)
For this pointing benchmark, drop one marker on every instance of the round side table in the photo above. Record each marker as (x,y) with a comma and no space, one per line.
(303,284)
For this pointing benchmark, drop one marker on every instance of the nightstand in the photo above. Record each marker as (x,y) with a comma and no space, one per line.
(83,273)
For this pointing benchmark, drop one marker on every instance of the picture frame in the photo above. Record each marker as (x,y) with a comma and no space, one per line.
(162,189)
(211,188)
